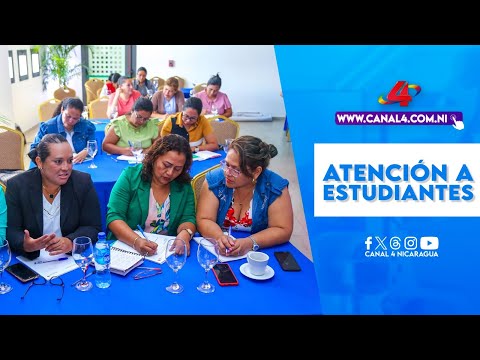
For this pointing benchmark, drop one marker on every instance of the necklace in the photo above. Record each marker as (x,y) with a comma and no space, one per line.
(240,202)
(51,196)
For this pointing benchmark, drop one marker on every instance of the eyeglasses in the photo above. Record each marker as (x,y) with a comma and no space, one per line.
(190,118)
(148,272)
(56,281)
(138,117)
(233,172)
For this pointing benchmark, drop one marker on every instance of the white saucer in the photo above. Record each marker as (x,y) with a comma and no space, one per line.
(245,270)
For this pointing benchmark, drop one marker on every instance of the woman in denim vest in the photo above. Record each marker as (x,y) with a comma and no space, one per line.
(244,195)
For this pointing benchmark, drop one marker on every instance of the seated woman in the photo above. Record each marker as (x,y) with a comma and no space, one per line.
(135,127)
(168,100)
(192,126)
(50,205)
(157,195)
(142,84)
(215,102)
(70,124)
(121,101)
(111,84)
(247,196)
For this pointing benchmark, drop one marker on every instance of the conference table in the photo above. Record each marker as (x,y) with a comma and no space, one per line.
(109,169)
(286,293)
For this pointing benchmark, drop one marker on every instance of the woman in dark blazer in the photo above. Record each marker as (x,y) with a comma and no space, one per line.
(52,204)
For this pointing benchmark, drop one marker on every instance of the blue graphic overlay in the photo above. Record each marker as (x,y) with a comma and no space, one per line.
(387,263)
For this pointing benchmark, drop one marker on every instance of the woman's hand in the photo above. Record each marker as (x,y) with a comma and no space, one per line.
(146,247)
(225,244)
(30,244)
(78,158)
(240,247)
(59,245)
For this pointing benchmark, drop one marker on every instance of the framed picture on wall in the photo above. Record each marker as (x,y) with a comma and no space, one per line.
(11,70)
(35,62)
(22,65)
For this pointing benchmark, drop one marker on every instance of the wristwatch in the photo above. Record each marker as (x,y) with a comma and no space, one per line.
(255,246)
(190,232)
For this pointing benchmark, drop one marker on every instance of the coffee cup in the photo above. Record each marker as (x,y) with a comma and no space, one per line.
(257,262)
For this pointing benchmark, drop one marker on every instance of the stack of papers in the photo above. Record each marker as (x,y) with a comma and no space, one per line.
(204,155)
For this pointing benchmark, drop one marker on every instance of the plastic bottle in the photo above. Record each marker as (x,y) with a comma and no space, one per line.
(103,278)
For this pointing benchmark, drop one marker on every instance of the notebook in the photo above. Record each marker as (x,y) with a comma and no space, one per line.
(123,261)
(161,240)
(48,268)
(222,258)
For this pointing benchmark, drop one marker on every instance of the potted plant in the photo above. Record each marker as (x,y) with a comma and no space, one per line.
(55,65)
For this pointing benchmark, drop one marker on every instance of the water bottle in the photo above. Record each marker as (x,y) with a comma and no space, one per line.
(103,278)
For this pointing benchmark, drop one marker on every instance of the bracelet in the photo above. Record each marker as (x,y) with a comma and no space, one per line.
(134,241)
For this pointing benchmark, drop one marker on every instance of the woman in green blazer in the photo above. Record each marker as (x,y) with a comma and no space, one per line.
(157,195)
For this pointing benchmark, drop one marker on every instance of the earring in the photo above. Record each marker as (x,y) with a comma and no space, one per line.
(254,180)
(41,168)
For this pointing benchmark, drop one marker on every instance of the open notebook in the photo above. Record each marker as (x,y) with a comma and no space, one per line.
(222,258)
(204,155)
(46,268)
(123,261)
(161,240)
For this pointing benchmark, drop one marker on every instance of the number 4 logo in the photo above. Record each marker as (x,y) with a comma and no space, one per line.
(399,94)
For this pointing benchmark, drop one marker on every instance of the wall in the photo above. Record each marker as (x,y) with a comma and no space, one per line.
(249,72)
(26,95)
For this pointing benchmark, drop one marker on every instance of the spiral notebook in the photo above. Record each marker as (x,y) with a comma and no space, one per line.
(123,261)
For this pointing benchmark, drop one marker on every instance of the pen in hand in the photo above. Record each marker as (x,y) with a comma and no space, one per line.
(143,234)
(47,261)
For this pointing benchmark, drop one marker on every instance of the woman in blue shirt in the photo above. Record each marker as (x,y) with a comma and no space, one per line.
(245,195)
(72,126)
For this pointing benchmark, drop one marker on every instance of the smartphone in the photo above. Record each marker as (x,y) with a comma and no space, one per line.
(287,261)
(22,272)
(224,274)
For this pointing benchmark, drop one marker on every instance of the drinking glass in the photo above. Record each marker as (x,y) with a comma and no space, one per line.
(227,144)
(176,256)
(5,257)
(135,148)
(150,93)
(207,256)
(214,110)
(92,148)
(82,253)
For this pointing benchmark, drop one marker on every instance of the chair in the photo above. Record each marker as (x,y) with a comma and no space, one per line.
(97,109)
(181,82)
(226,129)
(61,93)
(160,126)
(46,109)
(200,87)
(160,81)
(197,182)
(91,88)
(12,154)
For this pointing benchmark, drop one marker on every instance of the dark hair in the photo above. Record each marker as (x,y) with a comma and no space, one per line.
(193,103)
(253,152)
(170,142)
(114,77)
(141,68)
(215,80)
(42,149)
(66,103)
(143,104)
(122,79)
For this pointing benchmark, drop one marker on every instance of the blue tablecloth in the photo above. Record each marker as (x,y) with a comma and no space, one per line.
(286,293)
(108,171)
(186,92)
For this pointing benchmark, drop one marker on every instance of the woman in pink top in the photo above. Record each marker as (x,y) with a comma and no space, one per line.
(122,100)
(215,102)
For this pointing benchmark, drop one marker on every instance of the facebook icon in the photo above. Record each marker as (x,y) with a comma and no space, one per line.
(368,242)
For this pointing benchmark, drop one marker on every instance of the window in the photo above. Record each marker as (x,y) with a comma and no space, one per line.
(11,71)
(22,65)
(35,62)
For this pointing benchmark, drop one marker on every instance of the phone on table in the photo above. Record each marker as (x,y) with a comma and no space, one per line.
(22,272)
(287,261)
(224,275)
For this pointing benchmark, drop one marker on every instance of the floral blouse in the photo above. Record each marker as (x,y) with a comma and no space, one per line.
(158,216)
(242,224)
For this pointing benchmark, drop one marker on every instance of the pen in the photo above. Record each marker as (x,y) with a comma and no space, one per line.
(229,235)
(47,261)
(75,283)
(141,230)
